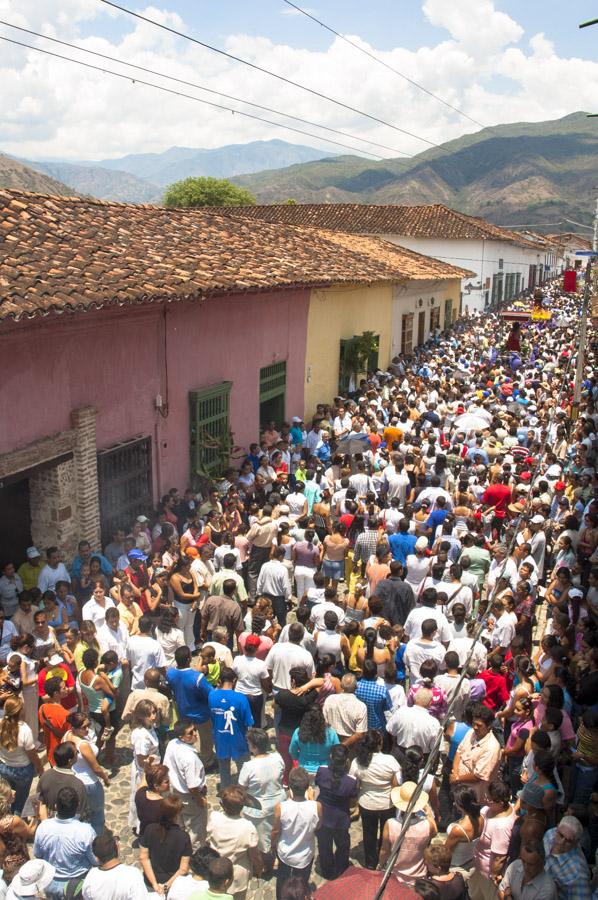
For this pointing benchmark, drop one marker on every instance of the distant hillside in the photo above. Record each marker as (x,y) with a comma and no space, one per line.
(13,174)
(101,183)
(525,173)
(142,177)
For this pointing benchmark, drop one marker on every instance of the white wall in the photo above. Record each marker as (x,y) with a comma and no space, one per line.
(481,257)
(420,297)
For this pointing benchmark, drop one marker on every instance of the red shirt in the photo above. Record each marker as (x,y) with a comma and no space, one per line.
(56,715)
(497,692)
(61,671)
(499,496)
(375,441)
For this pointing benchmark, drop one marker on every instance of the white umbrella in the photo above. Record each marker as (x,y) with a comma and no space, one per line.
(477,420)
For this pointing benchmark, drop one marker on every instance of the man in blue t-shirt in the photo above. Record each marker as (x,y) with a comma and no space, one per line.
(402,543)
(231,717)
(436,518)
(191,690)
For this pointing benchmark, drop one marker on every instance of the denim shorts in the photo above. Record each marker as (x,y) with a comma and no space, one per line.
(334,569)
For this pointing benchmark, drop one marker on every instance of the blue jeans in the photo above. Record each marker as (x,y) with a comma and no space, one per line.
(95,801)
(20,779)
(57,887)
(226,779)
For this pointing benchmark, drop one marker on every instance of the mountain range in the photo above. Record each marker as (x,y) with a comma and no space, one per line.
(142,177)
(520,174)
(537,174)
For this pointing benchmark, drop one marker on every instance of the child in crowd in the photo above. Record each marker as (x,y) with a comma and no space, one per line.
(210,665)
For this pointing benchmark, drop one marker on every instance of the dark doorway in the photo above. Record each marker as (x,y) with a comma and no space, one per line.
(15,522)
(421,327)
(125,482)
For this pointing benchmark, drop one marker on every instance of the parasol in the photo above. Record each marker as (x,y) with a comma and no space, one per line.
(363,883)
(353,444)
(474,420)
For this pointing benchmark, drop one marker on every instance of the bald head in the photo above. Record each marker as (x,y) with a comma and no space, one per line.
(423,697)
(151,678)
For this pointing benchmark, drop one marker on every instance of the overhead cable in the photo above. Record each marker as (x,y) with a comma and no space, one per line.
(277,75)
(386,65)
(200,87)
(158,87)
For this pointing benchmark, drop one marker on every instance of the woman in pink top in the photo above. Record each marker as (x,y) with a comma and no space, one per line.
(552,695)
(499,818)
(410,861)
(514,750)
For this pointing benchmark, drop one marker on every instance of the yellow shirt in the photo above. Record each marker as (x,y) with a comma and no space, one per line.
(129,616)
(29,575)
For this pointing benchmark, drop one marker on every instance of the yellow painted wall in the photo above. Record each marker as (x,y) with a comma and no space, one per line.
(337,314)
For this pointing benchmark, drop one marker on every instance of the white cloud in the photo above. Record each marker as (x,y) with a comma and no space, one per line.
(51,108)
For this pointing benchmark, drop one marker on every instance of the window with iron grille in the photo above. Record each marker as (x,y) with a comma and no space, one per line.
(448,313)
(209,429)
(125,485)
(434,319)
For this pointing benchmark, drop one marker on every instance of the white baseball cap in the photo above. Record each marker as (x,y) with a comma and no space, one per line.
(33,553)
(538,520)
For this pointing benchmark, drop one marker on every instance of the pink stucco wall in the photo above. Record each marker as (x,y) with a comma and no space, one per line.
(114,359)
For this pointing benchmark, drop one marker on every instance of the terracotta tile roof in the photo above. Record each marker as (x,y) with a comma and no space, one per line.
(412,221)
(415,266)
(67,253)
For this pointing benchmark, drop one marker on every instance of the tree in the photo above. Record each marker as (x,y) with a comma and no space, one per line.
(206,192)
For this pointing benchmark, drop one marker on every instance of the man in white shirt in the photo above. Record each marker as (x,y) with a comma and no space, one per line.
(112,635)
(218,642)
(422,648)
(53,571)
(111,879)
(427,610)
(342,424)
(396,484)
(361,482)
(274,582)
(345,713)
(413,725)
(498,567)
(143,653)
(320,609)
(504,626)
(282,658)
(188,780)
(95,609)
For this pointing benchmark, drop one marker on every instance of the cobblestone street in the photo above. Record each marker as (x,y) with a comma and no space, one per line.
(117,808)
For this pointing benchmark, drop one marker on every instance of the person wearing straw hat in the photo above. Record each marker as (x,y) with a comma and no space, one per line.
(409,863)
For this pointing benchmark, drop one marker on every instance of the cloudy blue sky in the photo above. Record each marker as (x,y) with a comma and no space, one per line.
(498,60)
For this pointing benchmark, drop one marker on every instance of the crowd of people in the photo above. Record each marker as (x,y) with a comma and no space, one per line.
(414,574)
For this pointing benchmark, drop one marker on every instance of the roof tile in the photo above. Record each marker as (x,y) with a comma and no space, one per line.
(78,253)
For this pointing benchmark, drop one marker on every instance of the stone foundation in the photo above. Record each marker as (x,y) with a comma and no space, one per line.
(63,484)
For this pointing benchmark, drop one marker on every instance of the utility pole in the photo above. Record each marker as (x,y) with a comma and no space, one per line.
(587,294)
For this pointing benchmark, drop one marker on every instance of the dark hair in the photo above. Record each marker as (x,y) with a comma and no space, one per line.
(104,847)
(370,743)
(90,658)
(299,675)
(64,753)
(167,619)
(295,889)
(232,799)
(428,671)
(339,764)
(499,792)
(482,712)
(370,637)
(466,798)
(325,664)
(370,670)
(201,859)
(67,803)
(544,761)
(557,696)
(411,763)
(312,729)
(52,685)
(541,739)
(182,657)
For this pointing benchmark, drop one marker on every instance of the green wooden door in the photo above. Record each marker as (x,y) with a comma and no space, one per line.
(273,385)
(209,429)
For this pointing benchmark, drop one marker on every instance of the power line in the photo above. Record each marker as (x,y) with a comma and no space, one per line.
(283,78)
(377,59)
(201,87)
(186,96)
